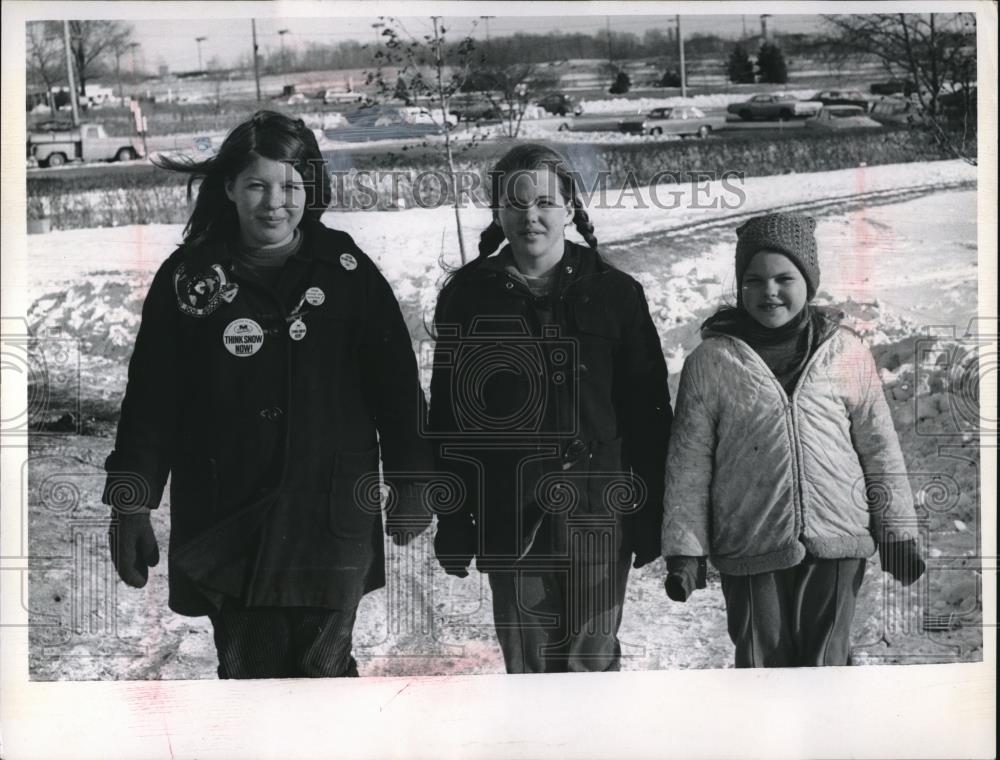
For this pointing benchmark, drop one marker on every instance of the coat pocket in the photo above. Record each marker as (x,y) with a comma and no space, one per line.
(355,493)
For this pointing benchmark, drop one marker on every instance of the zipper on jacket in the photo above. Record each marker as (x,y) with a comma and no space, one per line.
(790,409)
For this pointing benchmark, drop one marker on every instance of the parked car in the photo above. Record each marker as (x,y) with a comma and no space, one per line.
(679,120)
(893,110)
(778,105)
(841,117)
(956,106)
(558,104)
(593,123)
(842,98)
(892,87)
(473,108)
(342,96)
(89,142)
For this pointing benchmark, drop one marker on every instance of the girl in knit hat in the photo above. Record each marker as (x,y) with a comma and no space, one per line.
(784,467)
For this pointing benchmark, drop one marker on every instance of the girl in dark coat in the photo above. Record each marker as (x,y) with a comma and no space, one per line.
(271,370)
(549,403)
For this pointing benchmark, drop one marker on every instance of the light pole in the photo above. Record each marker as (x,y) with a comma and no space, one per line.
(199,40)
(281,39)
(680,52)
(132,46)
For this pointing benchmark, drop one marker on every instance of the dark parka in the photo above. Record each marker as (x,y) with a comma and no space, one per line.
(273,456)
(551,411)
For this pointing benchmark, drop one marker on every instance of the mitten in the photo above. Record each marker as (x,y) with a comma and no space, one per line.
(684,575)
(133,546)
(455,544)
(902,559)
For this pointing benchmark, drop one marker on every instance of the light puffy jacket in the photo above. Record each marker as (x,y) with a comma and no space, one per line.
(756,478)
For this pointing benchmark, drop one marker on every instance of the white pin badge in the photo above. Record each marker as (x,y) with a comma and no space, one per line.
(348,262)
(297,330)
(243,337)
(315,296)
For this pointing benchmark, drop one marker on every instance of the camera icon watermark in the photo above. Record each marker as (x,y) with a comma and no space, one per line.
(949,370)
(539,376)
(49,363)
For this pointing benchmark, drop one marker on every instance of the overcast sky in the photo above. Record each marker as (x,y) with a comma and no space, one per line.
(172,41)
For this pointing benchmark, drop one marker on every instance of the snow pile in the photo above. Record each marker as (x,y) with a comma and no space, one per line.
(881,264)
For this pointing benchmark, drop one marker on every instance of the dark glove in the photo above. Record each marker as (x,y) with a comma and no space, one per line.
(902,559)
(684,575)
(455,544)
(408,517)
(133,546)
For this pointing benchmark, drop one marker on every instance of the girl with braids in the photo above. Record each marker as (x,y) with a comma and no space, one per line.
(271,370)
(549,405)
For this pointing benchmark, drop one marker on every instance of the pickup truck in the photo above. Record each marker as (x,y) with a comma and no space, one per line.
(89,142)
(678,120)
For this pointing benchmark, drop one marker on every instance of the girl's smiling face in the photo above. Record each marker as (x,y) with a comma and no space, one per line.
(774,290)
(270,199)
(533,212)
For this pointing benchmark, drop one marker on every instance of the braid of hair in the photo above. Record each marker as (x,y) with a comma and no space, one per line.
(583,225)
(490,239)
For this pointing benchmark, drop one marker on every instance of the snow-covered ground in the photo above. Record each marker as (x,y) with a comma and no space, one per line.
(898,251)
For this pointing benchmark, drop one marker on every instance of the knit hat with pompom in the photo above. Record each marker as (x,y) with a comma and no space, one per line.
(789,234)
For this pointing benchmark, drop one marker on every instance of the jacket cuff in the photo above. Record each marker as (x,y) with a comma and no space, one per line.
(131,485)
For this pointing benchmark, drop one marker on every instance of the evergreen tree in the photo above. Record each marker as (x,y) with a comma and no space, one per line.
(623,83)
(740,68)
(771,66)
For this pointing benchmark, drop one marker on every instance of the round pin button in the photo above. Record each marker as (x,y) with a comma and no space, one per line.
(315,296)
(297,329)
(243,337)
(348,262)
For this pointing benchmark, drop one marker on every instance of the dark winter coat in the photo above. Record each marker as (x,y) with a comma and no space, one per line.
(272,444)
(553,412)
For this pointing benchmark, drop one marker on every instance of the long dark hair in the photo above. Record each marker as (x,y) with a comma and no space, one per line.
(530,157)
(267,134)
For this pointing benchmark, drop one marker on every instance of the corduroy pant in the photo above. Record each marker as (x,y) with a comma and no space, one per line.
(284,642)
(798,617)
(565,620)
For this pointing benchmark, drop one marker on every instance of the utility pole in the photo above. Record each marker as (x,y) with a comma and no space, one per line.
(69,76)
(607,20)
(198,41)
(680,52)
(281,39)
(132,46)
(118,75)
(256,67)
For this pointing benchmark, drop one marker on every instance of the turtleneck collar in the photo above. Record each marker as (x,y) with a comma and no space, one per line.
(269,258)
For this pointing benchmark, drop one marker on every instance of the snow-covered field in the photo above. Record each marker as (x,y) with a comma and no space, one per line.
(898,253)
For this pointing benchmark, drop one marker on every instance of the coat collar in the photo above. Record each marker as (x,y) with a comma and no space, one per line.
(578,262)
(319,242)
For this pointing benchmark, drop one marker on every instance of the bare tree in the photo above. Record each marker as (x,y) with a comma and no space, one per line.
(510,85)
(45,55)
(432,70)
(91,42)
(935,51)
